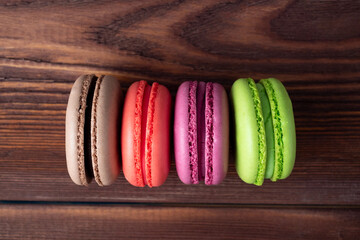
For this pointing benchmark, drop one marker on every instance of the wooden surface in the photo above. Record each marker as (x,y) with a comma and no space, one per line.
(126,221)
(313,47)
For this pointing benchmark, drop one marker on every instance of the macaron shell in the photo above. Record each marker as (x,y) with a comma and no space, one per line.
(181,125)
(105,124)
(71,133)
(160,161)
(287,125)
(221,134)
(127,135)
(246,131)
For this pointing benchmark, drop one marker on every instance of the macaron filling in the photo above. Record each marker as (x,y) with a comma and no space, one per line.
(200,107)
(278,132)
(94,153)
(144,131)
(261,133)
(201,131)
(84,127)
(269,131)
(209,146)
(192,135)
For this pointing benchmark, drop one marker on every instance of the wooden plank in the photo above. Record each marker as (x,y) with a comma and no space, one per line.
(153,222)
(177,40)
(300,43)
(32,153)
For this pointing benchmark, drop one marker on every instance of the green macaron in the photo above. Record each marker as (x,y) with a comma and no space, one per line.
(265,141)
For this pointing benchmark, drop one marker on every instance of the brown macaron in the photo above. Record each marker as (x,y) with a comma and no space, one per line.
(92,130)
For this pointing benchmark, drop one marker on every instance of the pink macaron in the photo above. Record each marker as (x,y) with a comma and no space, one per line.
(201,132)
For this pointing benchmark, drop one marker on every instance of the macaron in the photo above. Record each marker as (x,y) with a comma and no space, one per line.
(201,132)
(92,123)
(145,140)
(265,138)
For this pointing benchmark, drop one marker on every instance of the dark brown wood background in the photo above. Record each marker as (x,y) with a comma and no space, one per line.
(312,46)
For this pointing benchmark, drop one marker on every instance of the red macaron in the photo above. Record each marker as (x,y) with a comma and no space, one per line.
(145,134)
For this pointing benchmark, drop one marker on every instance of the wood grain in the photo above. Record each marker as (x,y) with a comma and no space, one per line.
(135,222)
(307,45)
(313,47)
(178,40)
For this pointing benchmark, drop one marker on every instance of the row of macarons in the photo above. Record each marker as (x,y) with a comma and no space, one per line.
(106,131)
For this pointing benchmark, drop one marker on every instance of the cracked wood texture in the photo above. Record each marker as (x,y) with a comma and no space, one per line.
(313,47)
